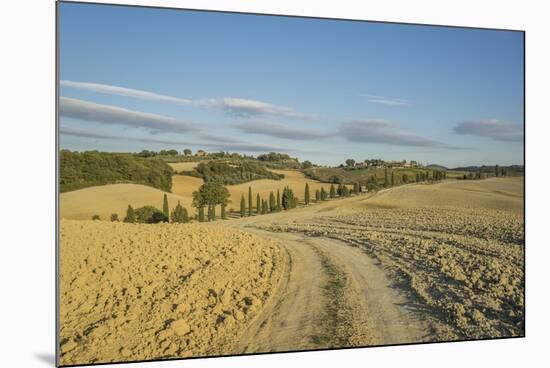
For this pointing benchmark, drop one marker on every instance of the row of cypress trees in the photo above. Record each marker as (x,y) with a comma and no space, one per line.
(149,214)
(273,204)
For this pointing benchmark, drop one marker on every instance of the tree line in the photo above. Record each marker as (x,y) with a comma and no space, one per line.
(90,168)
(213,193)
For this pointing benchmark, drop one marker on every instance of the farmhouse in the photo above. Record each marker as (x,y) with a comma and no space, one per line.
(200,153)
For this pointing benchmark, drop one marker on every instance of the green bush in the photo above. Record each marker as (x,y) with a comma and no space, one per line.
(238,173)
(179,214)
(149,215)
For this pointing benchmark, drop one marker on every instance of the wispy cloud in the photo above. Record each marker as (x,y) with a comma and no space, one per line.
(108,114)
(126,92)
(217,146)
(279,131)
(246,108)
(386,100)
(385,132)
(234,106)
(495,129)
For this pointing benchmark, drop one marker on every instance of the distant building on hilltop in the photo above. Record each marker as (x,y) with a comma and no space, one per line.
(396,163)
(200,153)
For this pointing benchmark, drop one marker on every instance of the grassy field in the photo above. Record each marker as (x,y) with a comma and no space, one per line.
(183,166)
(359,175)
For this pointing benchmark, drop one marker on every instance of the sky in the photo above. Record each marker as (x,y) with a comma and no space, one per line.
(321,90)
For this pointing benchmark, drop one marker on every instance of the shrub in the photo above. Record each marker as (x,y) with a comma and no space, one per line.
(149,215)
(179,214)
(114,217)
(95,218)
(130,215)
(158,217)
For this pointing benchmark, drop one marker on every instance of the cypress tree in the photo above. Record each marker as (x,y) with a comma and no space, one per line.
(386,179)
(345,191)
(258,204)
(201,214)
(271,202)
(179,214)
(332,191)
(278,200)
(289,201)
(306,194)
(392,178)
(264,206)
(323,194)
(317,195)
(130,215)
(340,190)
(356,188)
(249,201)
(213,213)
(223,212)
(165,209)
(243,206)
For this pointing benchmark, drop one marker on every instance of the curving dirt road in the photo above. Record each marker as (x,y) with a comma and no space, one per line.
(332,294)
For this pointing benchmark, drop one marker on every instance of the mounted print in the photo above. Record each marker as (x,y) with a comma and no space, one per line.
(234,183)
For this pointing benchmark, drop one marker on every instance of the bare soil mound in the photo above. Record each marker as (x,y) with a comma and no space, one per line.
(140,292)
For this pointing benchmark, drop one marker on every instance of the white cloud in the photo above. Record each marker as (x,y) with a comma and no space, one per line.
(234,106)
(386,100)
(233,145)
(495,129)
(108,114)
(280,131)
(121,91)
(385,132)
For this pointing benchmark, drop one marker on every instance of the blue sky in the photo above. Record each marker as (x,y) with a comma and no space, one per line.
(322,90)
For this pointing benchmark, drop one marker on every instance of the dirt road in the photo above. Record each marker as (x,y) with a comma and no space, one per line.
(332,294)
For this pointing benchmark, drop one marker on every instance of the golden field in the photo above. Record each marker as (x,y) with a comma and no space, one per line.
(136,292)
(183,166)
(105,200)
